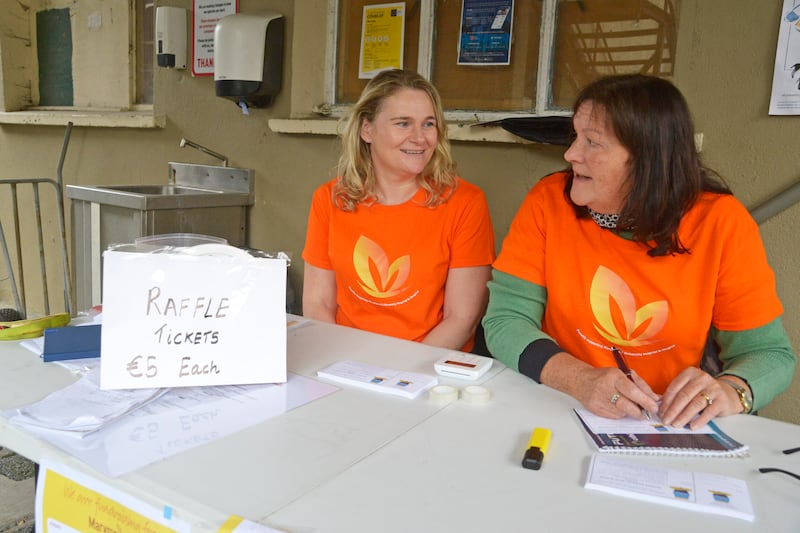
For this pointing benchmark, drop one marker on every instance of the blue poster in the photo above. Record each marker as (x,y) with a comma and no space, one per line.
(485,37)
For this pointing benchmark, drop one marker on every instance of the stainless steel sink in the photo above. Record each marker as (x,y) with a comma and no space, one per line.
(164,190)
(189,187)
(194,199)
(156,197)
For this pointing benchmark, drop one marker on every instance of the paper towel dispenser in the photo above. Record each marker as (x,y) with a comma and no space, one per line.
(248,57)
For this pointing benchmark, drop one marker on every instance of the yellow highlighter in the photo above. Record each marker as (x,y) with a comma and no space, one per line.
(537,448)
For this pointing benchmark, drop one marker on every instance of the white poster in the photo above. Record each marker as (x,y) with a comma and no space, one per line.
(180,320)
(785,99)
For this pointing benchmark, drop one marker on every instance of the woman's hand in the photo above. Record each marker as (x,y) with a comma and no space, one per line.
(694,392)
(605,392)
(609,393)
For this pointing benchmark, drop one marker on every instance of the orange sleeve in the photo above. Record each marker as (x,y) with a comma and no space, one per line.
(316,248)
(523,253)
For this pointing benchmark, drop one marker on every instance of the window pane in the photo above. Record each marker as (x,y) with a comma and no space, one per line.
(145,21)
(484,87)
(54,52)
(595,38)
(348,86)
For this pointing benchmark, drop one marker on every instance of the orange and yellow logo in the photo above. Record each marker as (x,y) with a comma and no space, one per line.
(618,319)
(379,277)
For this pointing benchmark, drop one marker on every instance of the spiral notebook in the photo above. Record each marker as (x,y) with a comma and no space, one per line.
(651,437)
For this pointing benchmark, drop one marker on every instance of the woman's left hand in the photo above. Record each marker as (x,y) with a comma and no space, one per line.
(692,393)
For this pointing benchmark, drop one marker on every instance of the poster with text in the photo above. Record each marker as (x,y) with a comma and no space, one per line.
(485,36)
(382,39)
(785,98)
(69,501)
(205,15)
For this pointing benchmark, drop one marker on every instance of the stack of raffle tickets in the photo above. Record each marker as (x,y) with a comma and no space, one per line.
(180,316)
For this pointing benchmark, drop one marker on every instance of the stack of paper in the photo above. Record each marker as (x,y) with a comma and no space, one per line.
(386,380)
(182,419)
(82,407)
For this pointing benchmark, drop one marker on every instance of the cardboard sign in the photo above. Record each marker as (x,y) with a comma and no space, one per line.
(180,319)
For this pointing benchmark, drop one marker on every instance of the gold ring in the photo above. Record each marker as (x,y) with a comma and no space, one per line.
(707,398)
(615,398)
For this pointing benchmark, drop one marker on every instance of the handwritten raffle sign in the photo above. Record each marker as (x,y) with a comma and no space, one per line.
(179,320)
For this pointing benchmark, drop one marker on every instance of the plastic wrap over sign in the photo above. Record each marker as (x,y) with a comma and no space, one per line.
(202,315)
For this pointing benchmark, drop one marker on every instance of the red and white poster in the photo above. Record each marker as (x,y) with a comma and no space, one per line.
(205,15)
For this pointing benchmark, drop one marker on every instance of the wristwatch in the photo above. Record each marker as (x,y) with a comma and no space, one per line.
(744,395)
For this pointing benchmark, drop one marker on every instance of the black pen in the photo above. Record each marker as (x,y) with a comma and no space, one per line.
(627,371)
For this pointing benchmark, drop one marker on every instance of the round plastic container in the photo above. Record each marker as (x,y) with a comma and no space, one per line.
(179,239)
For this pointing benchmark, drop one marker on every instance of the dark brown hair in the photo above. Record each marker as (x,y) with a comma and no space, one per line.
(651,119)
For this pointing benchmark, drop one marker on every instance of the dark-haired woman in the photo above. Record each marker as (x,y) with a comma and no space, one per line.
(637,248)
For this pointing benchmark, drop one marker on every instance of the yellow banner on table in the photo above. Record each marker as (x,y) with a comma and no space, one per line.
(237,524)
(230,524)
(68,505)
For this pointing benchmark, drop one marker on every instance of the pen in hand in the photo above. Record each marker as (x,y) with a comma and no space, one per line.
(627,371)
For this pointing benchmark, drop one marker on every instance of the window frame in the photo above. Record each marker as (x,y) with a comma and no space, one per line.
(19,109)
(425,61)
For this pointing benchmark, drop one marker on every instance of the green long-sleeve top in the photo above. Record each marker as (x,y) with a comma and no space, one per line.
(762,356)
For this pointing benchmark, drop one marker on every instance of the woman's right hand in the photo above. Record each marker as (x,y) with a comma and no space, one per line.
(606,392)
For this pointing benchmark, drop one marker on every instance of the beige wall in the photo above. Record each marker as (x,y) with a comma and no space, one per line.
(725,57)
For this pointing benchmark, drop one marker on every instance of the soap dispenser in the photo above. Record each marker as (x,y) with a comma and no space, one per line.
(171,37)
(248,58)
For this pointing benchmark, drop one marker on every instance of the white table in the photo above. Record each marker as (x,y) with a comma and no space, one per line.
(358,461)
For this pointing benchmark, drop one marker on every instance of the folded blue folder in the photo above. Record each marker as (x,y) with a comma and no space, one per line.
(71,342)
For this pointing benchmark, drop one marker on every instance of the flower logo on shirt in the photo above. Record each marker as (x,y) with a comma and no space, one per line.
(618,319)
(379,277)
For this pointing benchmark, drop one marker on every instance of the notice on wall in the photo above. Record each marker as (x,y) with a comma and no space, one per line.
(67,500)
(180,320)
(382,39)
(785,98)
(205,15)
(485,36)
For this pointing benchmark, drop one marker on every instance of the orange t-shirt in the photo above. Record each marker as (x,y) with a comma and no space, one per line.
(604,290)
(392,261)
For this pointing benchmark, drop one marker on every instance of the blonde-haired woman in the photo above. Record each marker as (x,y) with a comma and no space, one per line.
(398,243)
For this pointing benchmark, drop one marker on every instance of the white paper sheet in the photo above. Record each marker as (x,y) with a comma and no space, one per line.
(598,424)
(378,379)
(785,97)
(182,419)
(697,491)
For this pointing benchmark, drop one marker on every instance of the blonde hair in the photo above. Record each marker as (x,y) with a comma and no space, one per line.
(356,183)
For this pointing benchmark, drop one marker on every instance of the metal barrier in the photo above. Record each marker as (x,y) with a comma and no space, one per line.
(14,262)
(781,201)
